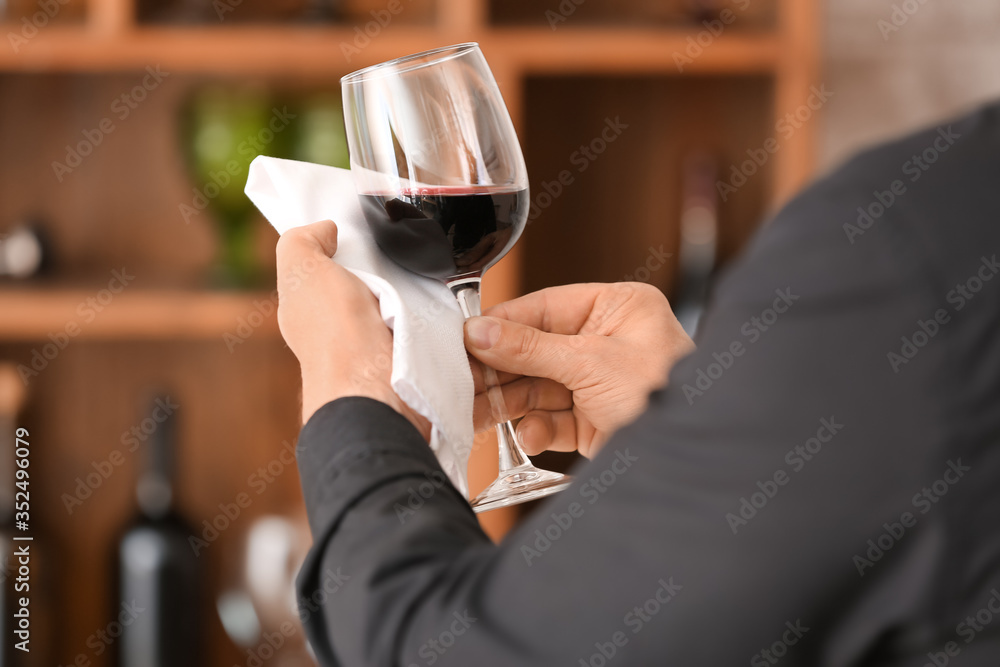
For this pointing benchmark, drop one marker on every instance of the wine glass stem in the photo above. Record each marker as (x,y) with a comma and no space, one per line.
(511,454)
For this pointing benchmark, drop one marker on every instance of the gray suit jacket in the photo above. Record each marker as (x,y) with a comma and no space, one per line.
(819,484)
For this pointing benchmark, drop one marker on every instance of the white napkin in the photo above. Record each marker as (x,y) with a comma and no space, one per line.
(430,371)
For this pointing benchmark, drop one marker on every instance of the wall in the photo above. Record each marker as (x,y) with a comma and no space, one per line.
(945,58)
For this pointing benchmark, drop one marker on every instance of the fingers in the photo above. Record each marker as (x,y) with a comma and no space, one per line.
(523,396)
(541,431)
(515,348)
(307,241)
(560,431)
(478,380)
(560,310)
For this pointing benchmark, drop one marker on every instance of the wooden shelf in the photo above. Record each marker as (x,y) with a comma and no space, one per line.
(319,51)
(631,50)
(133,315)
(121,208)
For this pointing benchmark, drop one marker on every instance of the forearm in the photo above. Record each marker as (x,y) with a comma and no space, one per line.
(410,579)
(387,526)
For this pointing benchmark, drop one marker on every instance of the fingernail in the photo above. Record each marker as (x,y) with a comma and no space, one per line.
(483,332)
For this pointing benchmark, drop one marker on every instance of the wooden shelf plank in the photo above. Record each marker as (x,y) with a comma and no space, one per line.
(242,50)
(320,51)
(39,314)
(624,50)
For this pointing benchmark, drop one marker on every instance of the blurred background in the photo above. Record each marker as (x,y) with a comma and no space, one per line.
(138,343)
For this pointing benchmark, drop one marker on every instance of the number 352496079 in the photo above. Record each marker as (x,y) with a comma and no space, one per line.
(21,496)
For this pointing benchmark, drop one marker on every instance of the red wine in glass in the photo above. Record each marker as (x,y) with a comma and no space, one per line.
(446,232)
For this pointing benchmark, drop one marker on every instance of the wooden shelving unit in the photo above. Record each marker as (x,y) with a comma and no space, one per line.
(257,50)
(560,86)
(134,315)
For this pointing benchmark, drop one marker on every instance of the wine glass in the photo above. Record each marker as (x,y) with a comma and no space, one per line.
(444,188)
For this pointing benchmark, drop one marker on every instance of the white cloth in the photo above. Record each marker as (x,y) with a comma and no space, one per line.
(430,371)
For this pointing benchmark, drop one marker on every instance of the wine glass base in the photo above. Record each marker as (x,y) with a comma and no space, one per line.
(519,485)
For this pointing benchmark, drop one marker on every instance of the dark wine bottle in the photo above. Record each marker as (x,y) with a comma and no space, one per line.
(158,575)
(699,238)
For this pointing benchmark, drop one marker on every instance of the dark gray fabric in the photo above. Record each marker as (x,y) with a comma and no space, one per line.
(795,496)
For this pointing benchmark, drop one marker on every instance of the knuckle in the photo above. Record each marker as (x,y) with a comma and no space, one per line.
(647,292)
(287,243)
(527,343)
(625,290)
(533,397)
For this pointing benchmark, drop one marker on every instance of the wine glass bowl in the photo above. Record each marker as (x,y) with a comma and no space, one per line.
(430,139)
(444,188)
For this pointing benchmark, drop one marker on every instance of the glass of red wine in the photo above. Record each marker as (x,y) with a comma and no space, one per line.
(444,188)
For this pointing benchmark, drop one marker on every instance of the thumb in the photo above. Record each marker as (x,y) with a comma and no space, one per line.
(515,348)
(307,241)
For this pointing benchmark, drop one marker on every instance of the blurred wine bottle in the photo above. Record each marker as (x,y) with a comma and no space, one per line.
(699,234)
(159,578)
(319,135)
(222,129)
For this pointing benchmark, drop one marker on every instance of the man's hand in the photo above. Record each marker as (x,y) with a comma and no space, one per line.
(331,321)
(577,361)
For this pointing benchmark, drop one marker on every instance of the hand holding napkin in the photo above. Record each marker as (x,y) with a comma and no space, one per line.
(430,370)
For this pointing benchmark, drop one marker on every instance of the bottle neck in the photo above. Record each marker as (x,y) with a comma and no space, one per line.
(155,486)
